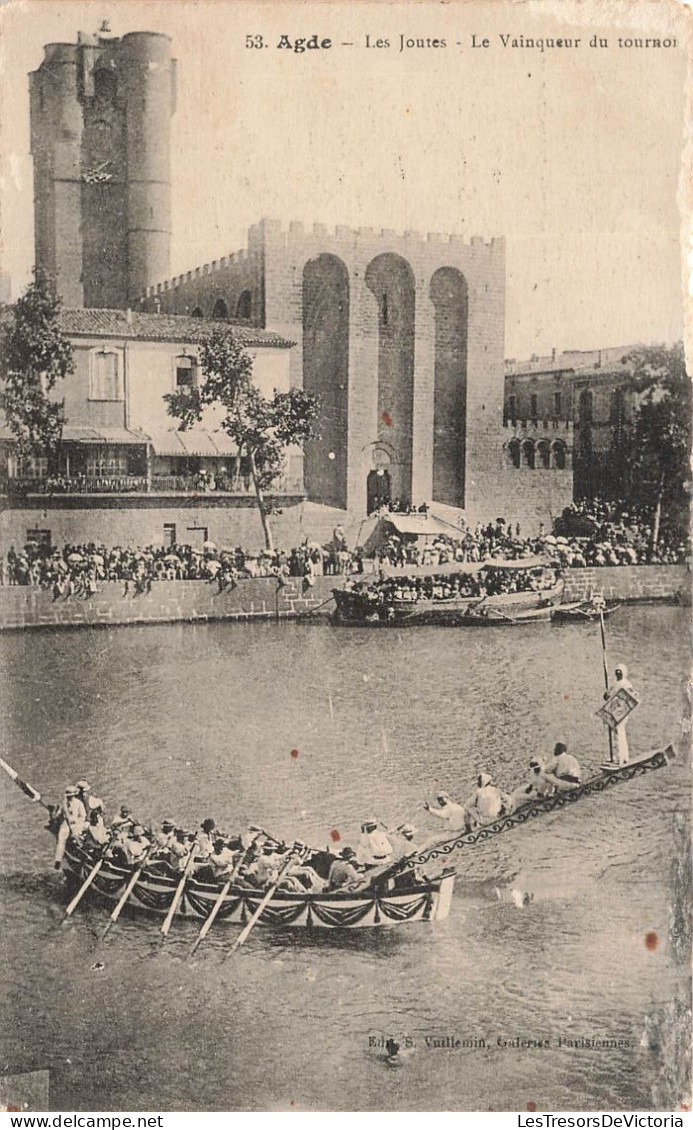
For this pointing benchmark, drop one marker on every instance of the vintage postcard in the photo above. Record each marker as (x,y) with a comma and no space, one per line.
(344,556)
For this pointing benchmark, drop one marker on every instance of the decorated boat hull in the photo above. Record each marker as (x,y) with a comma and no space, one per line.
(343,910)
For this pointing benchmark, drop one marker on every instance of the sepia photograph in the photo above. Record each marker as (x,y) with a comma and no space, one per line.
(345,563)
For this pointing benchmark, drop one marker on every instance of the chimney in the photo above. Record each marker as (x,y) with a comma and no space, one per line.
(128,316)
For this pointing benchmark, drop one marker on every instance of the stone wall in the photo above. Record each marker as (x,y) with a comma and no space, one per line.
(200,601)
(169,601)
(630,582)
(139,520)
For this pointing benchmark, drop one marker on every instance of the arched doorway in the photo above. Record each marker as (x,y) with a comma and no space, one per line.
(391,281)
(378,489)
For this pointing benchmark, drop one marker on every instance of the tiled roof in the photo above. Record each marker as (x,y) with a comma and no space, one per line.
(136,325)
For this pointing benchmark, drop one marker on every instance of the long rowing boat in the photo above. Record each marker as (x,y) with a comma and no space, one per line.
(406,891)
(389,903)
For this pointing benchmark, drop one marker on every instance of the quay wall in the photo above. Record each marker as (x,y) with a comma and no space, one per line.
(259,599)
(630,582)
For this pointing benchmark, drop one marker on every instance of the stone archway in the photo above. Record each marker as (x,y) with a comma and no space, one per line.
(391,280)
(326,375)
(449,296)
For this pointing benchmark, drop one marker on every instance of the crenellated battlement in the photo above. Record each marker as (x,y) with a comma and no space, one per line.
(288,237)
(212,268)
(296,230)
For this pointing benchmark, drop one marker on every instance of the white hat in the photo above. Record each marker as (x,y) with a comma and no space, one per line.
(484,779)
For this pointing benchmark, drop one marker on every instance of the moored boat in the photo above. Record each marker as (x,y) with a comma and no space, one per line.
(582,611)
(454,594)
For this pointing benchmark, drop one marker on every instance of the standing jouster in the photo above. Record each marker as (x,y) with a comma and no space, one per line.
(618,729)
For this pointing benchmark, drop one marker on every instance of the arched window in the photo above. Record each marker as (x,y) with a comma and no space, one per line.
(559,455)
(528,454)
(515,453)
(197,312)
(220,311)
(244,306)
(104,375)
(186,371)
(544,454)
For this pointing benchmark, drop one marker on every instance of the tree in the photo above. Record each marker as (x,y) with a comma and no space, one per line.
(35,356)
(261,428)
(661,445)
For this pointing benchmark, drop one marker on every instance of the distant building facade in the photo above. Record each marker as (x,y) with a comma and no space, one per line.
(582,393)
(125,470)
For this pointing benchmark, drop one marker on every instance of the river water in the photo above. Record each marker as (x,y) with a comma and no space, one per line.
(564,930)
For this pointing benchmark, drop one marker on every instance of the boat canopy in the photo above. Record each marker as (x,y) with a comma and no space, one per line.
(462,567)
(411,527)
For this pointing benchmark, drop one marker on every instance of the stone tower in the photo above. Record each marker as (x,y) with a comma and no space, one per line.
(100,140)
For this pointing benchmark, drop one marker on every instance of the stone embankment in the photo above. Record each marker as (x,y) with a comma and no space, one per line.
(262,599)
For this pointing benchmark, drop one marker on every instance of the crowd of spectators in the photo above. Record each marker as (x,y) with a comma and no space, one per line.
(76,570)
(487,581)
(587,534)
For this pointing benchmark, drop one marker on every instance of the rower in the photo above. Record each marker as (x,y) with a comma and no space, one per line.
(563,767)
(345,872)
(205,838)
(164,837)
(374,848)
(487,802)
(135,845)
(97,833)
(123,820)
(263,869)
(301,877)
(179,850)
(73,822)
(222,860)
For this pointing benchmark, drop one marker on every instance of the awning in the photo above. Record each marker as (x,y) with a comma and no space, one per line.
(83,433)
(75,434)
(196,442)
(421,525)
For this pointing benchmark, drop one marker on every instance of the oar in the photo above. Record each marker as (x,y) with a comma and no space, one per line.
(179,894)
(605,665)
(115,913)
(207,924)
(246,930)
(27,789)
(85,887)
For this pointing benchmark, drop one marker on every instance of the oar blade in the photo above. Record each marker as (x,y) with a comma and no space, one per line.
(207,924)
(72,906)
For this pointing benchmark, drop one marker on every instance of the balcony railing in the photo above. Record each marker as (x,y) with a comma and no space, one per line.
(139,484)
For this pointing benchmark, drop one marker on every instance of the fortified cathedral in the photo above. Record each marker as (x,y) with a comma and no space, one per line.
(401,336)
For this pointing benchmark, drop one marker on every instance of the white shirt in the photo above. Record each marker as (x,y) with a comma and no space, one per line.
(374,847)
